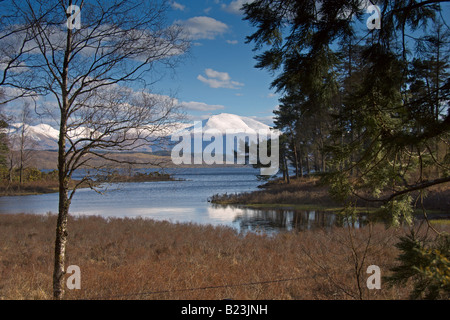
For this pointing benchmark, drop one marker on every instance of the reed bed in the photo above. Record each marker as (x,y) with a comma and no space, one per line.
(128,259)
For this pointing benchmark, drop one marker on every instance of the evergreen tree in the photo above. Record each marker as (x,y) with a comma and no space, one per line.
(356,100)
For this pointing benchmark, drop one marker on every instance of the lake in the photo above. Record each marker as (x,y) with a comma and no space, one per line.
(179,201)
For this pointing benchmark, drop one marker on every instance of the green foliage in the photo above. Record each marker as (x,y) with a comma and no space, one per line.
(116,176)
(398,210)
(426,264)
(30,174)
(33,174)
(3,173)
(340,187)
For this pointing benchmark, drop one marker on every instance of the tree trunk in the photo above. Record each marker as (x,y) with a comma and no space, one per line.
(287,170)
(60,245)
(22,148)
(297,173)
(324,163)
(64,201)
(10,170)
(61,226)
(302,174)
(308,166)
(294,144)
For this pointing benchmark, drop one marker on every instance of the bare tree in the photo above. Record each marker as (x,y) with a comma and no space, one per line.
(20,143)
(17,42)
(98,72)
(25,144)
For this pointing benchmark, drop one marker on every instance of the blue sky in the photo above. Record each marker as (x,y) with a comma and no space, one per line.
(219,75)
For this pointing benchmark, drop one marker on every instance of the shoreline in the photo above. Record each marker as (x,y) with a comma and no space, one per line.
(303,194)
(309,194)
(48,187)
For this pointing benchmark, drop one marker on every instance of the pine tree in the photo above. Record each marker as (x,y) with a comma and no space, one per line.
(359,109)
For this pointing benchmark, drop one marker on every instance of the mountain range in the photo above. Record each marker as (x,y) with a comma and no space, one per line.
(45,136)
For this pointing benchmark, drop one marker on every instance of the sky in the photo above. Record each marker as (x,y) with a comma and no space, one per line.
(219,75)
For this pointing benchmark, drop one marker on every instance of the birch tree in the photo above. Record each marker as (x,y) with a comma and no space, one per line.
(97,61)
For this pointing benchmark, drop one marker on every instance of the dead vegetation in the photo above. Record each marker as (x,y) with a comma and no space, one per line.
(306,191)
(145,259)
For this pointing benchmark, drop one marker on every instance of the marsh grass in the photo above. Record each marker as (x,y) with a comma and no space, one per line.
(145,259)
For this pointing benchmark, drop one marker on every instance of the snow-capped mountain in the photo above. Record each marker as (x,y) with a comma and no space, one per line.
(224,135)
(45,137)
(38,137)
(230,122)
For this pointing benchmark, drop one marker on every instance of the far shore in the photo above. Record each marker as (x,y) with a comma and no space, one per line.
(47,186)
(309,194)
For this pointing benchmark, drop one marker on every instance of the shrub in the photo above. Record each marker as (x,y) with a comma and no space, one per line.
(426,263)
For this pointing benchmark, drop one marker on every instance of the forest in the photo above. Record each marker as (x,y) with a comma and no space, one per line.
(364,103)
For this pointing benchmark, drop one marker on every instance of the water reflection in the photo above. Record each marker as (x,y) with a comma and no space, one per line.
(277,220)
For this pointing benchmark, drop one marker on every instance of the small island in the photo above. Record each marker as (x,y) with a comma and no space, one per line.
(117,177)
(33,181)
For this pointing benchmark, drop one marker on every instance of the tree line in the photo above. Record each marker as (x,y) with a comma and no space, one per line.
(365,108)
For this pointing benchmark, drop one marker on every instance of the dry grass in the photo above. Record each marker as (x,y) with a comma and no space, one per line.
(121,257)
(300,191)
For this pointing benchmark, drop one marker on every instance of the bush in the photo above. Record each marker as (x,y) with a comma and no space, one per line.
(32,174)
(426,263)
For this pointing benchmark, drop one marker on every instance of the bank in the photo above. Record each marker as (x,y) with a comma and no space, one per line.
(47,182)
(306,194)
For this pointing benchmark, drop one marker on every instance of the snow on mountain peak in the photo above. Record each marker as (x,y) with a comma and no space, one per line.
(226,121)
(46,129)
(46,137)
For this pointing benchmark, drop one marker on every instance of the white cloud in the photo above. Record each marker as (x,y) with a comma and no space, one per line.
(235,6)
(216,79)
(203,27)
(177,6)
(233,42)
(222,76)
(200,106)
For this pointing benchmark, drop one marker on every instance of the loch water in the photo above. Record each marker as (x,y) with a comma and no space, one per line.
(181,201)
